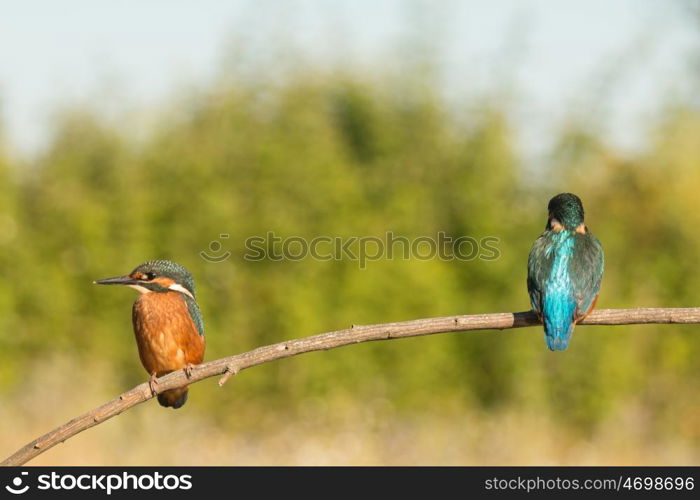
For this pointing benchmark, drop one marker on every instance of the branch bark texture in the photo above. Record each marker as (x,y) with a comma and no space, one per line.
(226,367)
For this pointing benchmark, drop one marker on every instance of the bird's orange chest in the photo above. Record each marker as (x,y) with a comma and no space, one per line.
(166,336)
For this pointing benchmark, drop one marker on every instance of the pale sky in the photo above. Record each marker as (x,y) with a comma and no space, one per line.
(129,54)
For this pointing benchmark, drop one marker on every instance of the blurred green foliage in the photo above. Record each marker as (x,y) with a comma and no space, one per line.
(341,156)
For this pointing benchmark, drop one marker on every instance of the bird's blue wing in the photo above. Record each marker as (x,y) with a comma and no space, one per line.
(539,265)
(195,313)
(586,271)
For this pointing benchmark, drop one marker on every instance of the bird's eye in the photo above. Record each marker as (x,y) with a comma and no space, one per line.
(150,276)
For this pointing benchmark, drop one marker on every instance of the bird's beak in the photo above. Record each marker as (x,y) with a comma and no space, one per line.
(119,280)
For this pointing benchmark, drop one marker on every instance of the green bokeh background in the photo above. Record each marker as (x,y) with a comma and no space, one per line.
(319,153)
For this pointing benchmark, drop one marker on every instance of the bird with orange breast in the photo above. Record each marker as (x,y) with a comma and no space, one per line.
(167,323)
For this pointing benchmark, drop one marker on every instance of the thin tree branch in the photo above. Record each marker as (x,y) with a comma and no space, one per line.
(353,335)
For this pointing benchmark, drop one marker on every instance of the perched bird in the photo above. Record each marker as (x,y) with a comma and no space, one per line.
(564,271)
(167,322)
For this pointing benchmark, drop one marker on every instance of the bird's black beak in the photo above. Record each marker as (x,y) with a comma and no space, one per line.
(119,280)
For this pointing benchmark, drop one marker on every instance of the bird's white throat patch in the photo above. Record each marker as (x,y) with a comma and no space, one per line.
(175,287)
(139,288)
(179,288)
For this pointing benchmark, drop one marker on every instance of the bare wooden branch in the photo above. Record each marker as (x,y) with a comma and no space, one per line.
(357,333)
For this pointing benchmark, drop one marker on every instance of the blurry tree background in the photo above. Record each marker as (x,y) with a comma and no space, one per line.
(300,149)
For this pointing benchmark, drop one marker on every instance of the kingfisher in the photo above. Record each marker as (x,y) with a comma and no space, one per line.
(564,271)
(167,323)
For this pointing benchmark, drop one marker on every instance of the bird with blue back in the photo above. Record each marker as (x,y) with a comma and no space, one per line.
(167,323)
(564,271)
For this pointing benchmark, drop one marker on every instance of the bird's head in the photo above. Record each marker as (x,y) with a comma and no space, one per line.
(566,212)
(155,276)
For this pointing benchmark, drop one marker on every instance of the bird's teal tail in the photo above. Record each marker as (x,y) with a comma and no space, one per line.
(558,316)
(556,340)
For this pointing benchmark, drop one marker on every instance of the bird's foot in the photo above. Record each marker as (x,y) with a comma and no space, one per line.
(188,370)
(153,383)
